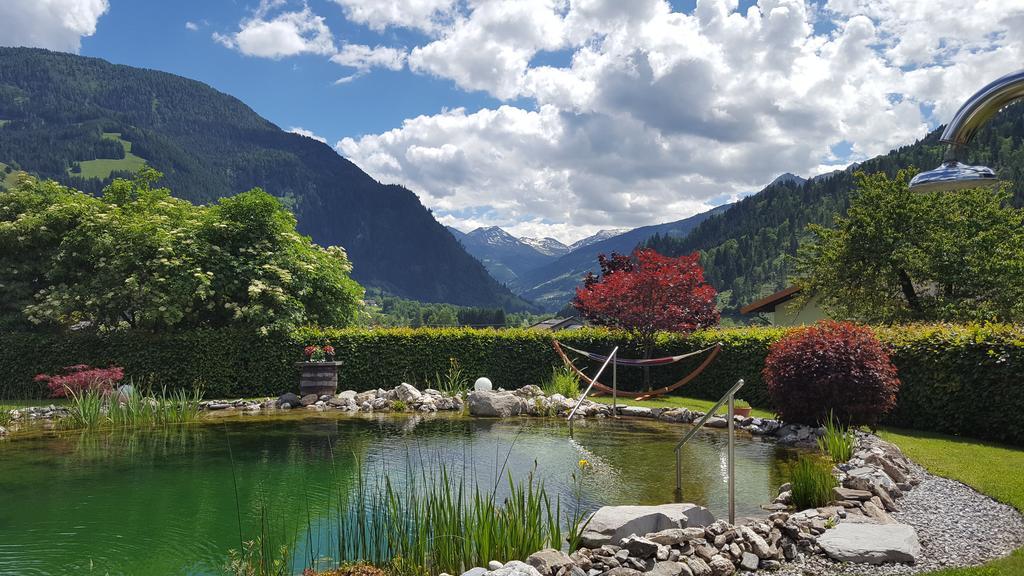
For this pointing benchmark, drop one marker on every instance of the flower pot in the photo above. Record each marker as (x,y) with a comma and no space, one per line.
(318,378)
(744,412)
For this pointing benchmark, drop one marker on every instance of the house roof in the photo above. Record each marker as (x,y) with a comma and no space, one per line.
(768,303)
(555,324)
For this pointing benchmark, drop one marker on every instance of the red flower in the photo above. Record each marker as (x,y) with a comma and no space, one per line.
(309,350)
(329,350)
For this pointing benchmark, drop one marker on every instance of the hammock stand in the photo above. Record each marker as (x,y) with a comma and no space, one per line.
(714,351)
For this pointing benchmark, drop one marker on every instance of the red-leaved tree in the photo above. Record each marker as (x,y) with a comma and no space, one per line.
(646,294)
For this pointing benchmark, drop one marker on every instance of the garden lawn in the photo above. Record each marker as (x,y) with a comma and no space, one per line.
(677,402)
(992,469)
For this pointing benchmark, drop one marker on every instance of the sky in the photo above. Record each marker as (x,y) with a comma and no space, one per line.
(563,117)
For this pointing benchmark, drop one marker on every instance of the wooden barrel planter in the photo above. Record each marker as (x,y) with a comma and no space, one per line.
(318,378)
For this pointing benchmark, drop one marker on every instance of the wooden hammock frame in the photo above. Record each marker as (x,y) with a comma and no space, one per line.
(714,351)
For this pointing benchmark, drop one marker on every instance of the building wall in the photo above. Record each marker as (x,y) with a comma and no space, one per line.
(791,313)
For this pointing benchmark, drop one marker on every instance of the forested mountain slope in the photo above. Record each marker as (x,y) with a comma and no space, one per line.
(746,250)
(73,119)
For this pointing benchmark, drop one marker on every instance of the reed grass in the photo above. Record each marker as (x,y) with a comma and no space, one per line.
(93,409)
(563,381)
(453,381)
(838,441)
(812,482)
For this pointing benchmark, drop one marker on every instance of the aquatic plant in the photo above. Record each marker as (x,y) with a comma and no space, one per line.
(453,381)
(563,381)
(85,410)
(398,406)
(93,408)
(838,441)
(812,482)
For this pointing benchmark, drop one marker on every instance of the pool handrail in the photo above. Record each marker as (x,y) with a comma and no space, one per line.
(729,397)
(579,402)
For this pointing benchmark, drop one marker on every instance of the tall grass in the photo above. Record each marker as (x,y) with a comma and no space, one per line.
(91,409)
(812,481)
(838,441)
(453,381)
(430,523)
(563,381)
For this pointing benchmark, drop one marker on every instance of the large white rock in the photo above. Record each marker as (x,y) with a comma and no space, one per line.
(871,543)
(610,524)
(514,568)
(407,393)
(501,404)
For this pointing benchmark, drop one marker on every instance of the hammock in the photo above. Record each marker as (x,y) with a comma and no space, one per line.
(714,351)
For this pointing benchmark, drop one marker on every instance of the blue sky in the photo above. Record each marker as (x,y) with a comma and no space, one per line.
(562,117)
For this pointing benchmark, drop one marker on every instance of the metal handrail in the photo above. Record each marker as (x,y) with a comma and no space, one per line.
(727,397)
(583,396)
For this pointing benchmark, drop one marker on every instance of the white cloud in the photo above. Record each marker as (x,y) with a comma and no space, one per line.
(285,34)
(656,113)
(424,15)
(54,24)
(190,25)
(307,133)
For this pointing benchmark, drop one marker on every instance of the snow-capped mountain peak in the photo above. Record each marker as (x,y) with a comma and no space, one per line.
(547,246)
(601,235)
(493,236)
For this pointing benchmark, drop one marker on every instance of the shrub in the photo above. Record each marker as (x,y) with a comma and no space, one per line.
(831,368)
(81,378)
(812,482)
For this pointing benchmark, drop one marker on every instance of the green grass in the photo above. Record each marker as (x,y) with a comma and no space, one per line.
(102,167)
(7,180)
(678,402)
(990,468)
(812,482)
(563,381)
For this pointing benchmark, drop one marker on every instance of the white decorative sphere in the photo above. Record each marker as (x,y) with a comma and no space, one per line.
(483,385)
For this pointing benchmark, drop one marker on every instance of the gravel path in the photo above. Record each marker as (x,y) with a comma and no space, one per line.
(956,525)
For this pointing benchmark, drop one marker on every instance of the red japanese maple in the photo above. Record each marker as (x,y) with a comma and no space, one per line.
(648,293)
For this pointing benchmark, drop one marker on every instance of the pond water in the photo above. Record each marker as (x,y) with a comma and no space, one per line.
(164,501)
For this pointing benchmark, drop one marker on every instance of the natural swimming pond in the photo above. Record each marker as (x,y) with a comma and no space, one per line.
(164,501)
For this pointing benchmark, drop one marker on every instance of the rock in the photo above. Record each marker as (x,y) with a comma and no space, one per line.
(635,411)
(478,571)
(623,571)
(698,566)
(529,391)
(288,398)
(670,569)
(871,543)
(513,568)
(841,493)
(784,498)
(500,404)
(549,561)
(721,566)
(494,565)
(610,524)
(676,536)
(407,393)
(639,547)
(309,399)
(3,431)
(757,544)
(347,395)
(678,415)
(875,512)
(771,565)
(749,561)
(716,422)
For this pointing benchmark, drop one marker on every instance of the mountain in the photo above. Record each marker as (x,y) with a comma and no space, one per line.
(551,286)
(83,121)
(505,256)
(547,246)
(600,236)
(747,249)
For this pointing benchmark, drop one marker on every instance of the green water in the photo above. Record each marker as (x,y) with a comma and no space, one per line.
(164,502)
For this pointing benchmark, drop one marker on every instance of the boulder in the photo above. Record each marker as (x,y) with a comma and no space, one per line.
(549,561)
(871,543)
(407,393)
(529,391)
(749,562)
(514,568)
(678,415)
(841,493)
(639,547)
(478,571)
(757,544)
(698,566)
(721,566)
(364,397)
(610,524)
(500,404)
(309,399)
(676,536)
(716,422)
(636,411)
(288,398)
(670,569)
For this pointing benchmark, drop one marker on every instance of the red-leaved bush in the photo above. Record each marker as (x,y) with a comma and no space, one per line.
(81,377)
(831,367)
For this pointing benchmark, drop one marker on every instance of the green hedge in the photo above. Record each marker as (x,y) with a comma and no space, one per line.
(965,380)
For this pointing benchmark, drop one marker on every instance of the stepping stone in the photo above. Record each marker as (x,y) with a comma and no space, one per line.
(871,543)
(841,493)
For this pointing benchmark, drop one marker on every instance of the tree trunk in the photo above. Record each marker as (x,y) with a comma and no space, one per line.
(908,292)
